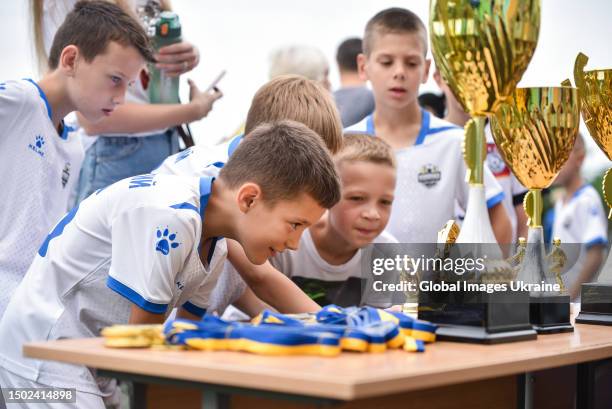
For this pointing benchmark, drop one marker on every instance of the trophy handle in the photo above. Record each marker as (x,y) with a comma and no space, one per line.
(581,62)
(607,190)
(532,203)
(474,149)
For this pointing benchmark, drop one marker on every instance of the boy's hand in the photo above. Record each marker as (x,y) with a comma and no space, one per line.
(177,59)
(202,101)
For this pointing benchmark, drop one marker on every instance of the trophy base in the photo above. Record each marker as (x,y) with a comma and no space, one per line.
(479,335)
(596,306)
(550,314)
(480,318)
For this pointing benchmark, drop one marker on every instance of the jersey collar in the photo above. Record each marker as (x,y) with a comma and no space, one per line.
(205,191)
(65,129)
(425,120)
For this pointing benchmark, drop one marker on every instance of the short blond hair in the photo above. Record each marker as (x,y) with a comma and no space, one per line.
(360,147)
(299,99)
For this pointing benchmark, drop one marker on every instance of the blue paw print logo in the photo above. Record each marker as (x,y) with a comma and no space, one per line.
(165,241)
(40,141)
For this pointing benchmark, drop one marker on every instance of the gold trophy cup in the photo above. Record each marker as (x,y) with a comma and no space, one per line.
(595,89)
(535,132)
(482,48)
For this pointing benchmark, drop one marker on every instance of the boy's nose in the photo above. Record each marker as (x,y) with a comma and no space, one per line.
(371,214)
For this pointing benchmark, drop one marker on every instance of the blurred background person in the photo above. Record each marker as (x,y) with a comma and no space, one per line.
(434,103)
(353,99)
(579,218)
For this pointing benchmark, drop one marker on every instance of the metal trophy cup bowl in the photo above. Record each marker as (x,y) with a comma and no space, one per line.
(595,89)
(482,48)
(535,133)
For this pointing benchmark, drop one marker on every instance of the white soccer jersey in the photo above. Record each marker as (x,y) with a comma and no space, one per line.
(38,168)
(514,192)
(199,160)
(430,178)
(135,242)
(581,220)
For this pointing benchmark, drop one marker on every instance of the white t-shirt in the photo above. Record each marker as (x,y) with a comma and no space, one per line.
(430,178)
(199,160)
(38,168)
(134,242)
(582,220)
(514,191)
(337,284)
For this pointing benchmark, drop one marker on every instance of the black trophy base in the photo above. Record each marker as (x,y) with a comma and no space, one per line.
(478,317)
(550,314)
(479,335)
(596,305)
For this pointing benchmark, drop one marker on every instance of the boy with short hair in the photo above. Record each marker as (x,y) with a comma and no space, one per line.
(131,252)
(97,52)
(287,97)
(579,217)
(431,169)
(327,264)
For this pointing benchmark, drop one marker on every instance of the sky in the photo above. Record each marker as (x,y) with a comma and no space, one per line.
(239,35)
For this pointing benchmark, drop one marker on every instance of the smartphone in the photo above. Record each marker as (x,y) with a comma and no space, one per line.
(216,81)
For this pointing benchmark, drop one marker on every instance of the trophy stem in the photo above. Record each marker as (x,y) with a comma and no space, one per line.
(533,205)
(475,149)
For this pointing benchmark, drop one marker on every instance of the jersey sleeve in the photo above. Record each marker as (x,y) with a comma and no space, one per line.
(12,103)
(593,221)
(149,247)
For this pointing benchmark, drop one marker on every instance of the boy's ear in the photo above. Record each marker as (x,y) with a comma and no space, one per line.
(361,62)
(248,195)
(426,72)
(68,58)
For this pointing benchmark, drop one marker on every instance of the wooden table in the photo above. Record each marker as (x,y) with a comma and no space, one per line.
(348,377)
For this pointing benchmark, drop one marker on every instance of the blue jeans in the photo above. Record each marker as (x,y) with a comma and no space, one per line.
(112,158)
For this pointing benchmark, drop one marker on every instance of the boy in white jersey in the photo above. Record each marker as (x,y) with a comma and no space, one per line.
(289,97)
(96,54)
(430,166)
(133,251)
(514,192)
(579,217)
(327,264)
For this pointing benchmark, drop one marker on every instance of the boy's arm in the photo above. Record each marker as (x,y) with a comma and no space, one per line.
(592,262)
(521,221)
(140,316)
(269,284)
(135,118)
(250,304)
(502,228)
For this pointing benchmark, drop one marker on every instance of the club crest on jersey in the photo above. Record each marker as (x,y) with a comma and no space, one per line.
(165,241)
(429,175)
(65,174)
(38,145)
(495,162)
